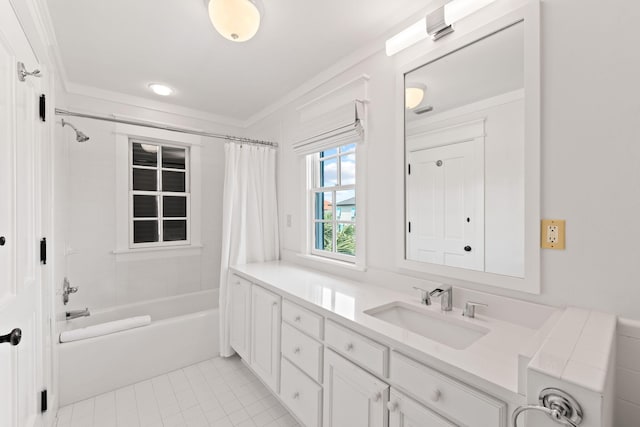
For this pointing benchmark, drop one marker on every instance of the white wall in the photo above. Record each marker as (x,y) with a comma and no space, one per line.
(86,173)
(590,158)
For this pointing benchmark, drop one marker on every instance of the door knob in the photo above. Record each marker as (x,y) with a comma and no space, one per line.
(467,248)
(12,337)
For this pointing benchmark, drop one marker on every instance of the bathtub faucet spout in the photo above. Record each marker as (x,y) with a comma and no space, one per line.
(74,314)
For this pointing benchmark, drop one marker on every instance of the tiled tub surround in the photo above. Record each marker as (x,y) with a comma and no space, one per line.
(490,375)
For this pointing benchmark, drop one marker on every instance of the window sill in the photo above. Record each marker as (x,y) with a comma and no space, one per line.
(333,262)
(157,252)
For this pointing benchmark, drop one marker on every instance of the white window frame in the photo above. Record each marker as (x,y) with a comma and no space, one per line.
(124,208)
(160,194)
(313,179)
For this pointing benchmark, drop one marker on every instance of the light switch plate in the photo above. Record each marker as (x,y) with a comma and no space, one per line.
(552,234)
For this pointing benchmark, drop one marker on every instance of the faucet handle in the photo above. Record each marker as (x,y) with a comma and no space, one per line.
(470,308)
(424,295)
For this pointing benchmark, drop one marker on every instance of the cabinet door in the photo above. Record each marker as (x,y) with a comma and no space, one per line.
(240,290)
(265,335)
(404,412)
(352,396)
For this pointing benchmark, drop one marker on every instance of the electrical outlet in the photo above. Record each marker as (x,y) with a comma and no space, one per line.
(552,234)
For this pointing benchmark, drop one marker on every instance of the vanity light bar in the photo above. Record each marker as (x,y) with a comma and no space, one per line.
(436,24)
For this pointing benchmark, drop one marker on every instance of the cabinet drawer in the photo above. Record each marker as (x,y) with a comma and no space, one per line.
(451,398)
(403,411)
(304,352)
(303,319)
(365,352)
(301,395)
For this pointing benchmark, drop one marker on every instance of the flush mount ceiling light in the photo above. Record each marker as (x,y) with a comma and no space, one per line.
(160,89)
(235,20)
(436,24)
(414,95)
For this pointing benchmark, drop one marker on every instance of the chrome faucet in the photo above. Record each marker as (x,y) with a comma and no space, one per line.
(66,290)
(446,297)
(425,298)
(74,314)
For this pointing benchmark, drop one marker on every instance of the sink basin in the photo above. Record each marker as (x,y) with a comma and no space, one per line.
(451,332)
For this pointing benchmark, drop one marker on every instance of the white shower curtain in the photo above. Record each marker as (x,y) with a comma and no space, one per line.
(249,218)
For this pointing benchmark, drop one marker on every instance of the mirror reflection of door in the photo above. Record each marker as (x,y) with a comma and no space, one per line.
(445,202)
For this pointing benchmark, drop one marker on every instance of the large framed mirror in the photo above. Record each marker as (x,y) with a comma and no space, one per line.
(471,155)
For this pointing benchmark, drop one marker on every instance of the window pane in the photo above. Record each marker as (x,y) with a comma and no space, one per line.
(324,206)
(174,230)
(173,181)
(145,231)
(346,205)
(329,173)
(145,154)
(345,148)
(145,206)
(348,169)
(174,206)
(330,152)
(346,239)
(174,158)
(324,236)
(145,179)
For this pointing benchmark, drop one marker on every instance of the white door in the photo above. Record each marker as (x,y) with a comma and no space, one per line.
(240,291)
(265,335)
(20,227)
(444,199)
(404,412)
(352,396)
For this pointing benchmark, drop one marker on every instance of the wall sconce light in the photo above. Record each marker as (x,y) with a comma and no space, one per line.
(436,24)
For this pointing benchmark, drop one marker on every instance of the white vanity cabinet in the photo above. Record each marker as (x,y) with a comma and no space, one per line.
(352,396)
(240,297)
(265,335)
(405,412)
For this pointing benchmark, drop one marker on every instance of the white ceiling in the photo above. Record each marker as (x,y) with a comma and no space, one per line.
(122,45)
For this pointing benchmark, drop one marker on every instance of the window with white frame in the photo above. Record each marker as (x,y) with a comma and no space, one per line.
(159,189)
(333,203)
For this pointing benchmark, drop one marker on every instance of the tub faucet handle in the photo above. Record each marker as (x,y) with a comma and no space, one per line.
(66,290)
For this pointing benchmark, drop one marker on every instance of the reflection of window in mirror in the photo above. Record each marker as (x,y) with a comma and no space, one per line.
(465,157)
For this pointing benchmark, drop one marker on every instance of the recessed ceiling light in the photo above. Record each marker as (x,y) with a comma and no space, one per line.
(160,89)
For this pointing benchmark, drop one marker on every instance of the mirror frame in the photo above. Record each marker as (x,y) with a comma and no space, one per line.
(477,26)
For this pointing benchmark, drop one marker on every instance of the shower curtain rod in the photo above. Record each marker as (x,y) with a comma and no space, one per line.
(61,112)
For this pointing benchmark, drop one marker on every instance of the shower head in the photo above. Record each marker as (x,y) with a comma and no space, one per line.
(80,136)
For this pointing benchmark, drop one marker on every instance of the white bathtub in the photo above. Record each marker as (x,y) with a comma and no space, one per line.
(184,330)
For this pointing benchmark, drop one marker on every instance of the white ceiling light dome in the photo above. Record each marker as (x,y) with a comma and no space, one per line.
(235,20)
(414,95)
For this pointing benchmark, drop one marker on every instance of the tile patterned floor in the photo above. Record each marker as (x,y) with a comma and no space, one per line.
(215,393)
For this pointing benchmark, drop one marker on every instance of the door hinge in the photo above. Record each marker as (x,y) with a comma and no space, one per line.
(409,226)
(43,400)
(43,108)
(43,250)
(409,169)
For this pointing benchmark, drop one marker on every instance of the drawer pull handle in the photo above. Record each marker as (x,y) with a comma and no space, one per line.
(297,319)
(392,406)
(435,395)
(348,347)
(376,397)
(295,395)
(296,350)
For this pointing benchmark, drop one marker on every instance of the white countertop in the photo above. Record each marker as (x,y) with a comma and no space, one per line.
(490,363)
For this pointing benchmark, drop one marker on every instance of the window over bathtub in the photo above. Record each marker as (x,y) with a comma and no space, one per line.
(160,194)
(158,199)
